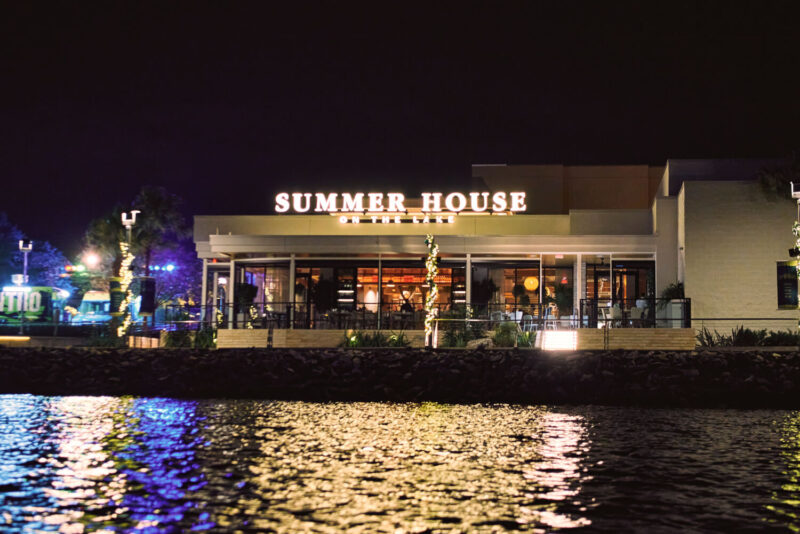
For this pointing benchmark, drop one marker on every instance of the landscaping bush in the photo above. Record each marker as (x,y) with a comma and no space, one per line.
(526,339)
(505,334)
(178,339)
(458,334)
(357,338)
(745,337)
(205,338)
(784,338)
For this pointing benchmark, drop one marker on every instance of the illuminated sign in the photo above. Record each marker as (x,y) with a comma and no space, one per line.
(388,204)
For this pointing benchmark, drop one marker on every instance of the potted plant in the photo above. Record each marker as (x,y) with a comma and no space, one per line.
(563,299)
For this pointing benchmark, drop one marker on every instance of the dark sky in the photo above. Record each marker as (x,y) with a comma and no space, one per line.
(224,103)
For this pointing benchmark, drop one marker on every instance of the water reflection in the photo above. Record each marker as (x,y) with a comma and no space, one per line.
(786,506)
(100,464)
(410,467)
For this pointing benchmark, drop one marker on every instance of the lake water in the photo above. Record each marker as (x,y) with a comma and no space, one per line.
(81,464)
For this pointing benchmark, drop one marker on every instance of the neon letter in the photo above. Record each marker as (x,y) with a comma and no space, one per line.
(375,201)
(499,201)
(518,201)
(431,202)
(396,202)
(326,203)
(282,202)
(352,202)
(473,201)
(297,200)
(451,205)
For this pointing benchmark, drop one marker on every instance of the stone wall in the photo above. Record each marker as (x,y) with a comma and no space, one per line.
(716,379)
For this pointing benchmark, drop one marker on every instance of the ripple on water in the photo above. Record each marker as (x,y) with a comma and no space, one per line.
(79,464)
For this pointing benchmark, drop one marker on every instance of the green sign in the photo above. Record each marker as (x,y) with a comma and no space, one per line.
(787,285)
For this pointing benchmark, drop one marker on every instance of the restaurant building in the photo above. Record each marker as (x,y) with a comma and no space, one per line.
(560,246)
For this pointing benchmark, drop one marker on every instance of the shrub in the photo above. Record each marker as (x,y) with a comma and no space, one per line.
(526,339)
(745,337)
(205,338)
(785,338)
(178,339)
(458,334)
(357,338)
(505,334)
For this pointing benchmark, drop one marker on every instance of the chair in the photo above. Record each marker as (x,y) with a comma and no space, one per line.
(605,316)
(528,324)
(616,315)
(548,320)
(495,317)
(636,316)
(518,316)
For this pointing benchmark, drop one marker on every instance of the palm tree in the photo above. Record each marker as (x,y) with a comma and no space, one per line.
(104,235)
(160,223)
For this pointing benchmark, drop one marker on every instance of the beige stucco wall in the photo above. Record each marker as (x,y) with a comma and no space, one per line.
(610,222)
(733,237)
(328,225)
(665,226)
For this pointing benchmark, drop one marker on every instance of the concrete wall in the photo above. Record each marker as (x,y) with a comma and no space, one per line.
(587,338)
(665,225)
(636,339)
(733,237)
(283,338)
(610,222)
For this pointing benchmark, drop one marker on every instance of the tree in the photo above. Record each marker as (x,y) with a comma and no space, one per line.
(775,181)
(159,225)
(182,284)
(104,235)
(45,262)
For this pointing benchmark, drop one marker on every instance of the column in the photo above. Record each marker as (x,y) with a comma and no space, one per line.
(291,290)
(541,280)
(380,291)
(204,292)
(578,290)
(230,293)
(214,295)
(469,280)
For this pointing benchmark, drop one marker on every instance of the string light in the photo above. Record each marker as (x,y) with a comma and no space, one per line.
(796,232)
(126,276)
(432,265)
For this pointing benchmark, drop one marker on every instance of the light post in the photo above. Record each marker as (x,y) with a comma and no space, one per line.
(128,222)
(25,246)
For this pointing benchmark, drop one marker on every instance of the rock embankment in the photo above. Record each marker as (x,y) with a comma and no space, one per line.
(701,378)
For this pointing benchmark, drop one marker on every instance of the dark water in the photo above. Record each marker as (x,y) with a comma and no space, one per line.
(81,464)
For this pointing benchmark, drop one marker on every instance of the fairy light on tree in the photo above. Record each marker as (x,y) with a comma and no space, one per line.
(126,278)
(432,265)
(125,275)
(796,232)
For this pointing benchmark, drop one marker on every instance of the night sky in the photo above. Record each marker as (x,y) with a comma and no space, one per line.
(226,103)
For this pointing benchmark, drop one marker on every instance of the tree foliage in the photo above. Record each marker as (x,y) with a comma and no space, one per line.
(775,181)
(158,238)
(45,262)
(160,224)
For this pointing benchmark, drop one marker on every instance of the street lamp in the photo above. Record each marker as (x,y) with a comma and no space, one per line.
(91,260)
(25,246)
(128,222)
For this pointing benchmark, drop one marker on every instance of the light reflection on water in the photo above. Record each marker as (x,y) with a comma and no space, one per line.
(88,464)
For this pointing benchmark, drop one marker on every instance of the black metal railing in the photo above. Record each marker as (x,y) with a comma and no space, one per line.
(636,313)
(365,316)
